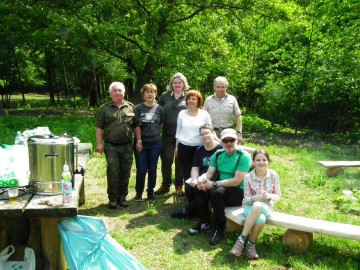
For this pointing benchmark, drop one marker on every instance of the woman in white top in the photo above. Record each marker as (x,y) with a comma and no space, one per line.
(187,132)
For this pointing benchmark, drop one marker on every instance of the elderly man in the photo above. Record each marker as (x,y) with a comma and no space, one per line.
(117,122)
(223,108)
(232,164)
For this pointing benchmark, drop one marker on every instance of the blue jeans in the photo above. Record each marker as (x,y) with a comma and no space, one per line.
(146,163)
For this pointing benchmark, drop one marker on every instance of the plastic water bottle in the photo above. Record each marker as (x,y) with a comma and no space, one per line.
(18,138)
(66,186)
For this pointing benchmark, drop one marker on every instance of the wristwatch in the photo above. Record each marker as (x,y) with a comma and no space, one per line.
(215,184)
(139,141)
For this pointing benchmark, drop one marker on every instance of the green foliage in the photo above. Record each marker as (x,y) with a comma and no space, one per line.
(295,63)
(349,204)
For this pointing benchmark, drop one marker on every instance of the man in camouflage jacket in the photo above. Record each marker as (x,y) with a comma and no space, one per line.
(115,126)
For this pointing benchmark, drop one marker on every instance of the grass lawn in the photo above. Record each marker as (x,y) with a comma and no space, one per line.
(160,242)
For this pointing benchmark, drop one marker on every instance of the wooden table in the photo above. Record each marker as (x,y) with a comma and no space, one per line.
(44,212)
(44,237)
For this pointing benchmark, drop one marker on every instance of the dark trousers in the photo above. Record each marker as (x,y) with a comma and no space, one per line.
(186,156)
(119,160)
(221,197)
(198,203)
(146,163)
(167,158)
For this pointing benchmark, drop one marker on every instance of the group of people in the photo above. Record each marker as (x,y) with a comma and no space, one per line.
(203,143)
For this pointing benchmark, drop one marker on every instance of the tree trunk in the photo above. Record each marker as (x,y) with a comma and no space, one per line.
(50,75)
(93,88)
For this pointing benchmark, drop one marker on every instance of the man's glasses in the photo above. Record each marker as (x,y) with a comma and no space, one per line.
(231,140)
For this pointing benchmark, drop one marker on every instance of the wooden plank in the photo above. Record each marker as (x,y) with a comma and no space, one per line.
(50,206)
(46,242)
(330,164)
(304,224)
(13,210)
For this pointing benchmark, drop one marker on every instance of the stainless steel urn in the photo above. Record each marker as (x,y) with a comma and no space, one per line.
(47,156)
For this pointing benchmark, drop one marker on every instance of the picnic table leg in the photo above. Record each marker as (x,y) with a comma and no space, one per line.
(82,192)
(3,236)
(46,242)
(297,241)
(333,171)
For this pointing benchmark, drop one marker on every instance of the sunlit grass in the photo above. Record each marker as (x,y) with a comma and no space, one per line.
(160,242)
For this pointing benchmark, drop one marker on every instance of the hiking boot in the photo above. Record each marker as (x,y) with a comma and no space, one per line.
(162,190)
(179,191)
(251,251)
(237,248)
(181,213)
(123,203)
(138,198)
(112,205)
(218,236)
(200,228)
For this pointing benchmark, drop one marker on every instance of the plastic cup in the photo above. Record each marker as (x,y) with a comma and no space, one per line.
(13,193)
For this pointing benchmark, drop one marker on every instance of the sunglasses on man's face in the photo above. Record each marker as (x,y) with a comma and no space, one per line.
(231,140)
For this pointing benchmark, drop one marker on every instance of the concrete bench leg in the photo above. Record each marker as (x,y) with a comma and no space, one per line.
(297,241)
(333,171)
(232,226)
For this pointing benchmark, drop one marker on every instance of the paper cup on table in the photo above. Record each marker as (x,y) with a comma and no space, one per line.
(13,193)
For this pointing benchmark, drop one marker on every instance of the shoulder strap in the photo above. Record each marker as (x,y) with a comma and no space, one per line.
(153,108)
(218,153)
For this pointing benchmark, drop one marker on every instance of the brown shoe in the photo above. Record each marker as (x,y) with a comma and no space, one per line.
(179,191)
(251,251)
(237,248)
(162,190)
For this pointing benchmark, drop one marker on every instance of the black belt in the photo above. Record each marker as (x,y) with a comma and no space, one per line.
(221,129)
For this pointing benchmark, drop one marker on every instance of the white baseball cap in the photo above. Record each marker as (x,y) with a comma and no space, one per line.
(228,133)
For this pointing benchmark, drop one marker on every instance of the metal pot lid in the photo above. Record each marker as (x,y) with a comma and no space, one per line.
(50,139)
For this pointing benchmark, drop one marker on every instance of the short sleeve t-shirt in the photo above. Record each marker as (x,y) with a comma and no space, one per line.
(202,158)
(227,165)
(151,118)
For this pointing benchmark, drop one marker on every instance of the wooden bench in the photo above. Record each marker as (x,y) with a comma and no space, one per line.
(334,168)
(300,231)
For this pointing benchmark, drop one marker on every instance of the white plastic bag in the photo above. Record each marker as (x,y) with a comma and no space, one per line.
(27,264)
(14,165)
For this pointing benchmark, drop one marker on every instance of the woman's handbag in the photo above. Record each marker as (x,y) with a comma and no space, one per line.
(28,262)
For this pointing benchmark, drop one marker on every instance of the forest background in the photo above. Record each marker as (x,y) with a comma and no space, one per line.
(292,62)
